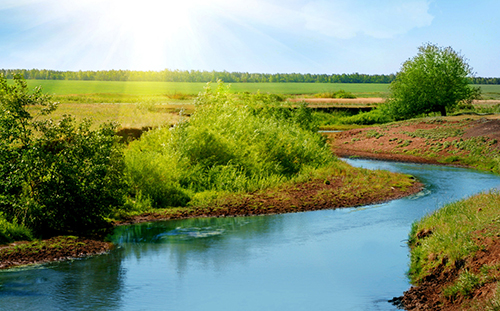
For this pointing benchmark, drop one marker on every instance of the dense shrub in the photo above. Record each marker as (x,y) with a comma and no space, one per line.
(228,144)
(337,94)
(55,177)
(375,116)
(10,232)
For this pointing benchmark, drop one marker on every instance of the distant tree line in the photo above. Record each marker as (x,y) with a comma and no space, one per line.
(208,76)
(195,76)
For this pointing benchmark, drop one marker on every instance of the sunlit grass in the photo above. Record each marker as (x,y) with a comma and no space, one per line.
(448,236)
(126,115)
(139,88)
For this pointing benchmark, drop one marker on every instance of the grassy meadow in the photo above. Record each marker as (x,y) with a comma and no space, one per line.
(138,88)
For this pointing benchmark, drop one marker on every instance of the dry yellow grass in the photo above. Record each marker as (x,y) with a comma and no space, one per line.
(126,115)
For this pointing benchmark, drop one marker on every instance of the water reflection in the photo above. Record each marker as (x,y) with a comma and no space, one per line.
(205,241)
(85,284)
(345,259)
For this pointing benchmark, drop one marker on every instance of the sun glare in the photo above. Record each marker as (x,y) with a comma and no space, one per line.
(153,26)
(150,29)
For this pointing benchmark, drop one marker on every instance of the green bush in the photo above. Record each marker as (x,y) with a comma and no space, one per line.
(229,144)
(55,177)
(375,116)
(337,94)
(10,232)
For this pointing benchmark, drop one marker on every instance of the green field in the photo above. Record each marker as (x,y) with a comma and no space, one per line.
(64,87)
(76,91)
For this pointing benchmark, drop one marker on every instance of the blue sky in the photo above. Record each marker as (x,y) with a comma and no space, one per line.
(265,36)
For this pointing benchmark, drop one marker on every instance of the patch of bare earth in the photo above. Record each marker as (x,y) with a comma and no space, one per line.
(394,143)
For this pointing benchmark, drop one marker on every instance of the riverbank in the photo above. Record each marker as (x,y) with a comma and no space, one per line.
(354,187)
(446,277)
(55,249)
(468,141)
(333,192)
(350,188)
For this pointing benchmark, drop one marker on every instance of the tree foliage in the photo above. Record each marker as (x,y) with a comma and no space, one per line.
(435,80)
(54,177)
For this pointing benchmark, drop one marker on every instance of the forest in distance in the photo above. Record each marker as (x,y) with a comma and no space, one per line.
(168,75)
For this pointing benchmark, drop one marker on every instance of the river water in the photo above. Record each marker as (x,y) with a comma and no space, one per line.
(344,259)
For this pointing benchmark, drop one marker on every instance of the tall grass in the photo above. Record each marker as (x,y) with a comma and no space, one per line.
(10,231)
(229,144)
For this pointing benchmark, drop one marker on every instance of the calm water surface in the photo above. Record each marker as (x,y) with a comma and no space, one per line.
(345,259)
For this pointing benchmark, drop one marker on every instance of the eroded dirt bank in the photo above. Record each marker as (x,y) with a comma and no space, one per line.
(54,249)
(461,141)
(429,295)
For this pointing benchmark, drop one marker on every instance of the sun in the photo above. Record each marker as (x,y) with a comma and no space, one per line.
(149,30)
(153,26)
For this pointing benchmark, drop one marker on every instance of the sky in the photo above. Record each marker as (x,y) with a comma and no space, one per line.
(256,36)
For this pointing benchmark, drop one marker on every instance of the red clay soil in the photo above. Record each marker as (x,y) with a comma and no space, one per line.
(55,249)
(394,144)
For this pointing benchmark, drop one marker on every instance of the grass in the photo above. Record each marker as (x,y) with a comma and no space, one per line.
(127,115)
(355,184)
(137,88)
(10,232)
(68,87)
(490,91)
(448,236)
(447,240)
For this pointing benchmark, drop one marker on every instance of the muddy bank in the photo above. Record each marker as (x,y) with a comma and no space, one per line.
(429,294)
(445,141)
(331,193)
(54,249)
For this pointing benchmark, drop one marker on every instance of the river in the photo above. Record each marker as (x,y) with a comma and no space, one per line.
(344,259)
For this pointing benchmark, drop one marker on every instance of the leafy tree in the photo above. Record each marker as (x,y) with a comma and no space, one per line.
(435,80)
(55,177)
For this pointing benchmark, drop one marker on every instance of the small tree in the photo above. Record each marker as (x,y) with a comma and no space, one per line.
(435,80)
(55,177)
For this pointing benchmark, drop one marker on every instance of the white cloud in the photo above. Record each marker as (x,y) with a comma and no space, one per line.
(378,19)
(334,18)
